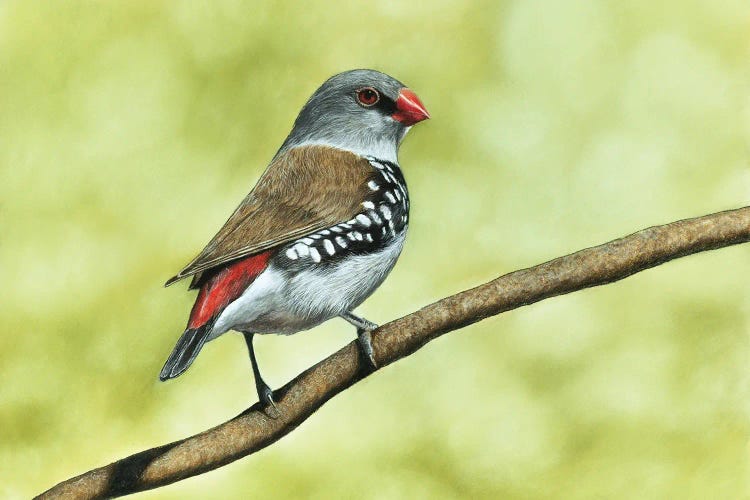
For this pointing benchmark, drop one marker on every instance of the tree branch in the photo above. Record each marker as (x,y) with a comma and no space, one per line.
(252,430)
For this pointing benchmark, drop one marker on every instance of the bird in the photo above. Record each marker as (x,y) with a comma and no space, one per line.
(318,233)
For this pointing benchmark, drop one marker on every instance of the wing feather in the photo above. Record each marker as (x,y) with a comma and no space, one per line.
(303,190)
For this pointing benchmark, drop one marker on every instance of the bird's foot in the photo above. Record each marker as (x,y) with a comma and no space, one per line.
(265,396)
(364,339)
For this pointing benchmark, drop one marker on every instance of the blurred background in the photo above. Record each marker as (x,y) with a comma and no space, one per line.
(129,131)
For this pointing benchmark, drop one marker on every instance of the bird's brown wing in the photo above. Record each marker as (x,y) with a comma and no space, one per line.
(306,189)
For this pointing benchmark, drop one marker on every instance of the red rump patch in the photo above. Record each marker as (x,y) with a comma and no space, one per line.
(225,286)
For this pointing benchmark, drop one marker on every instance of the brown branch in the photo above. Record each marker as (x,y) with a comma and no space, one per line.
(252,430)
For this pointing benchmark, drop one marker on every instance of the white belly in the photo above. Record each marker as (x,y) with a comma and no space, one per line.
(280,303)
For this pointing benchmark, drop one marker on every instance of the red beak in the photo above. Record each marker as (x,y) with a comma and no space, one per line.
(409,109)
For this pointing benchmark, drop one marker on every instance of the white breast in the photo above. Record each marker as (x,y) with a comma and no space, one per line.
(281,303)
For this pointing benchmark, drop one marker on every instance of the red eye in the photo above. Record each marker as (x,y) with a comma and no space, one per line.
(368,96)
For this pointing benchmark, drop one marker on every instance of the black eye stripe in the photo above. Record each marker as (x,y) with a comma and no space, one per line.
(383,104)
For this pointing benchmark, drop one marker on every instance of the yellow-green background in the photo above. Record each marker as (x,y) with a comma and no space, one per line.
(129,131)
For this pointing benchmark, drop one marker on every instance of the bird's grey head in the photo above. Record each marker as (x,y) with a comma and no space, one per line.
(362,110)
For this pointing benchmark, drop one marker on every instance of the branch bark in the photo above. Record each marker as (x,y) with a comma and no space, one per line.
(253,430)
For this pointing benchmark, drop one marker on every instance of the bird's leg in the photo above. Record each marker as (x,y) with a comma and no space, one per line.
(364,329)
(265,395)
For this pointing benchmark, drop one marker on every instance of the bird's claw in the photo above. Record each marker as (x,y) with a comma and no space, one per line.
(365,343)
(265,396)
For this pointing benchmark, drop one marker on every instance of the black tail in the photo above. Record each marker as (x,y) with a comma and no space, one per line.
(185,351)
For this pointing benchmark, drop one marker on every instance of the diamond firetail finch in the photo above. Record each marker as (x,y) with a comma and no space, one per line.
(319,232)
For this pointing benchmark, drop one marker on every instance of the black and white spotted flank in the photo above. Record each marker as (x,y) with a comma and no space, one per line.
(384,216)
